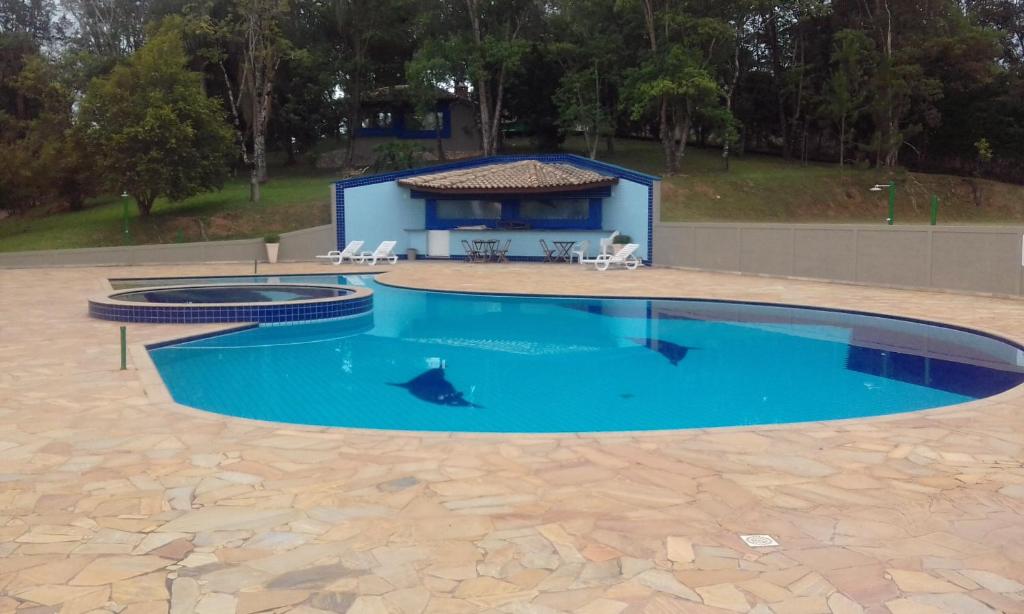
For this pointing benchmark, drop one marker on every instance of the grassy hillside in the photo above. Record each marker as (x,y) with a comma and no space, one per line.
(290,201)
(756,188)
(768,189)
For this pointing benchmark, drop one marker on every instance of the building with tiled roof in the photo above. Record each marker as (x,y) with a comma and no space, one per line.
(524,176)
(534,205)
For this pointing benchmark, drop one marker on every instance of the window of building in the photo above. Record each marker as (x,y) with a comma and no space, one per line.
(424,121)
(377,120)
(554,209)
(469,209)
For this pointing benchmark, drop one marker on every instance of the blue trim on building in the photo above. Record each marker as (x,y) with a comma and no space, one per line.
(579,161)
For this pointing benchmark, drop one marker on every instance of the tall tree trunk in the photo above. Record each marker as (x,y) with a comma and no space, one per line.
(666,131)
(356,104)
(731,90)
(892,141)
(842,142)
(482,84)
(772,34)
(667,137)
(438,125)
(483,93)
(261,116)
(144,203)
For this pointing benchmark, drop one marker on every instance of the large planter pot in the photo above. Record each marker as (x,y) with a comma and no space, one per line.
(272,249)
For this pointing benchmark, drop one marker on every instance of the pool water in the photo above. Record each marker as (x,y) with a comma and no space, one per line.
(455,362)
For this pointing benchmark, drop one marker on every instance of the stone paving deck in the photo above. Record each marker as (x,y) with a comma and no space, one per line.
(113,499)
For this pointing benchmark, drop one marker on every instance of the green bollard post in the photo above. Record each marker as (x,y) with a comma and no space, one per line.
(935,209)
(892,202)
(124,216)
(124,348)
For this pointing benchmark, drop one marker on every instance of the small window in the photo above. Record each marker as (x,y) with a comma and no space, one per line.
(468,209)
(424,121)
(555,209)
(378,119)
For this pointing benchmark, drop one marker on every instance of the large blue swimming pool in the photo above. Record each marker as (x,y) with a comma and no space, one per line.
(457,362)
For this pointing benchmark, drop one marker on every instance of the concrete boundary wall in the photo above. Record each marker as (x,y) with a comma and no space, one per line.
(295,246)
(975,259)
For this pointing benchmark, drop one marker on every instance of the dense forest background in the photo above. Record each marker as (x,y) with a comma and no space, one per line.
(164,97)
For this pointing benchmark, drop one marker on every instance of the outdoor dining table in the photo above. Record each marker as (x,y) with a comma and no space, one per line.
(486,246)
(563,248)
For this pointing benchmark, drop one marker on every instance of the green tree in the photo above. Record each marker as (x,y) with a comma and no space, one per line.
(483,42)
(677,80)
(152,129)
(846,90)
(579,104)
(424,75)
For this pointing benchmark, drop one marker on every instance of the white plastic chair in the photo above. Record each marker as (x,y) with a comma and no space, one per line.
(580,253)
(607,242)
(350,252)
(624,257)
(383,252)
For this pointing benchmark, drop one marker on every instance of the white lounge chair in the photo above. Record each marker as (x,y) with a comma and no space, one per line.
(349,253)
(580,253)
(383,252)
(607,243)
(623,257)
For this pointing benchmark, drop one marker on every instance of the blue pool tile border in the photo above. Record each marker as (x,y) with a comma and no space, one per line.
(262,313)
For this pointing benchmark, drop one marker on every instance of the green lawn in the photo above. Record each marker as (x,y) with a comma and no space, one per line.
(290,201)
(756,188)
(761,188)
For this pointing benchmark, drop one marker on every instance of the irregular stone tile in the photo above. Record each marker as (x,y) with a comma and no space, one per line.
(599,552)
(85,602)
(919,582)
(724,596)
(312,577)
(175,550)
(664,582)
(839,603)
(484,586)
(369,605)
(332,602)
(149,607)
(680,549)
(184,596)
(954,602)
(153,541)
(906,606)
(150,587)
(216,603)
(993,582)
(105,570)
(261,601)
(602,606)
(408,600)
(226,518)
(277,540)
(53,594)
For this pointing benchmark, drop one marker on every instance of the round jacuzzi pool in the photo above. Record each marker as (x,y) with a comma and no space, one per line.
(233,294)
(259,303)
